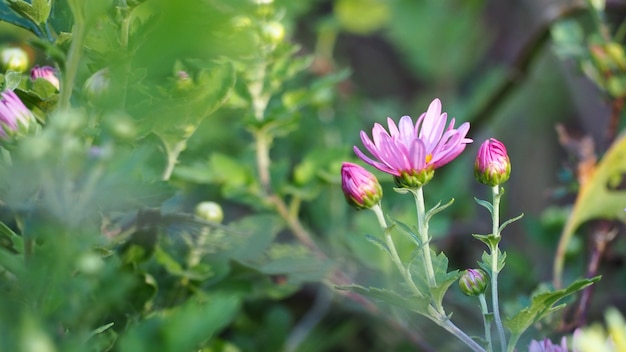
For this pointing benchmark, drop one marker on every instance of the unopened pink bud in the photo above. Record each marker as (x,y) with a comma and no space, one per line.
(361,187)
(473,282)
(46,72)
(492,166)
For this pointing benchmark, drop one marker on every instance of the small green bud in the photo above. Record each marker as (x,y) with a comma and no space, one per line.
(209,211)
(473,282)
(273,32)
(492,166)
(360,187)
(97,86)
(14,59)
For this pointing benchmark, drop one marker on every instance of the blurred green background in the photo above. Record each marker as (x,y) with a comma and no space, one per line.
(324,71)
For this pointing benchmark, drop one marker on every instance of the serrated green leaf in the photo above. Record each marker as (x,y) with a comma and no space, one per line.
(487,205)
(486,259)
(12,80)
(41,10)
(598,198)
(409,302)
(541,305)
(443,278)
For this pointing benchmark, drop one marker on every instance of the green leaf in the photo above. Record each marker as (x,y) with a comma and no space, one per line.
(486,260)
(409,302)
(485,204)
(297,262)
(598,198)
(437,209)
(443,278)
(504,224)
(199,273)
(378,243)
(183,327)
(541,305)
(406,231)
(10,15)
(10,240)
(490,240)
(12,80)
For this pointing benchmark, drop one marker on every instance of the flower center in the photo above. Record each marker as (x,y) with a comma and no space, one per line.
(429,157)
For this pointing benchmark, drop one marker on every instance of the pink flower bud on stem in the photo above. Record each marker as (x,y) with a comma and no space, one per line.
(492,166)
(361,187)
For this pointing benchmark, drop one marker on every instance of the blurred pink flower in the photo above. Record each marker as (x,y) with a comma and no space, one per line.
(361,187)
(492,166)
(412,152)
(546,345)
(14,116)
(46,72)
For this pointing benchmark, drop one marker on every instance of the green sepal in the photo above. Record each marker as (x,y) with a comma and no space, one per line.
(408,302)
(541,305)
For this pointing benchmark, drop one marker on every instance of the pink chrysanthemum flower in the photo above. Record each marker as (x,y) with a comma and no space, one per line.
(412,152)
(546,345)
(15,118)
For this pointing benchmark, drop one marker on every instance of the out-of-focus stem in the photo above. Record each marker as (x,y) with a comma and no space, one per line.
(71,66)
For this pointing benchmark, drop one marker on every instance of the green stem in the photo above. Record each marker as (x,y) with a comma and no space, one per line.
(71,66)
(485,310)
(494,267)
(513,342)
(394,253)
(449,326)
(423,233)
(435,314)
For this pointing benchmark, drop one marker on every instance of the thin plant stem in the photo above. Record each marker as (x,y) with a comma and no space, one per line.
(435,314)
(393,252)
(449,326)
(73,58)
(494,267)
(423,233)
(485,311)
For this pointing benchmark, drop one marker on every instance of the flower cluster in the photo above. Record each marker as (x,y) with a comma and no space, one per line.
(411,153)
